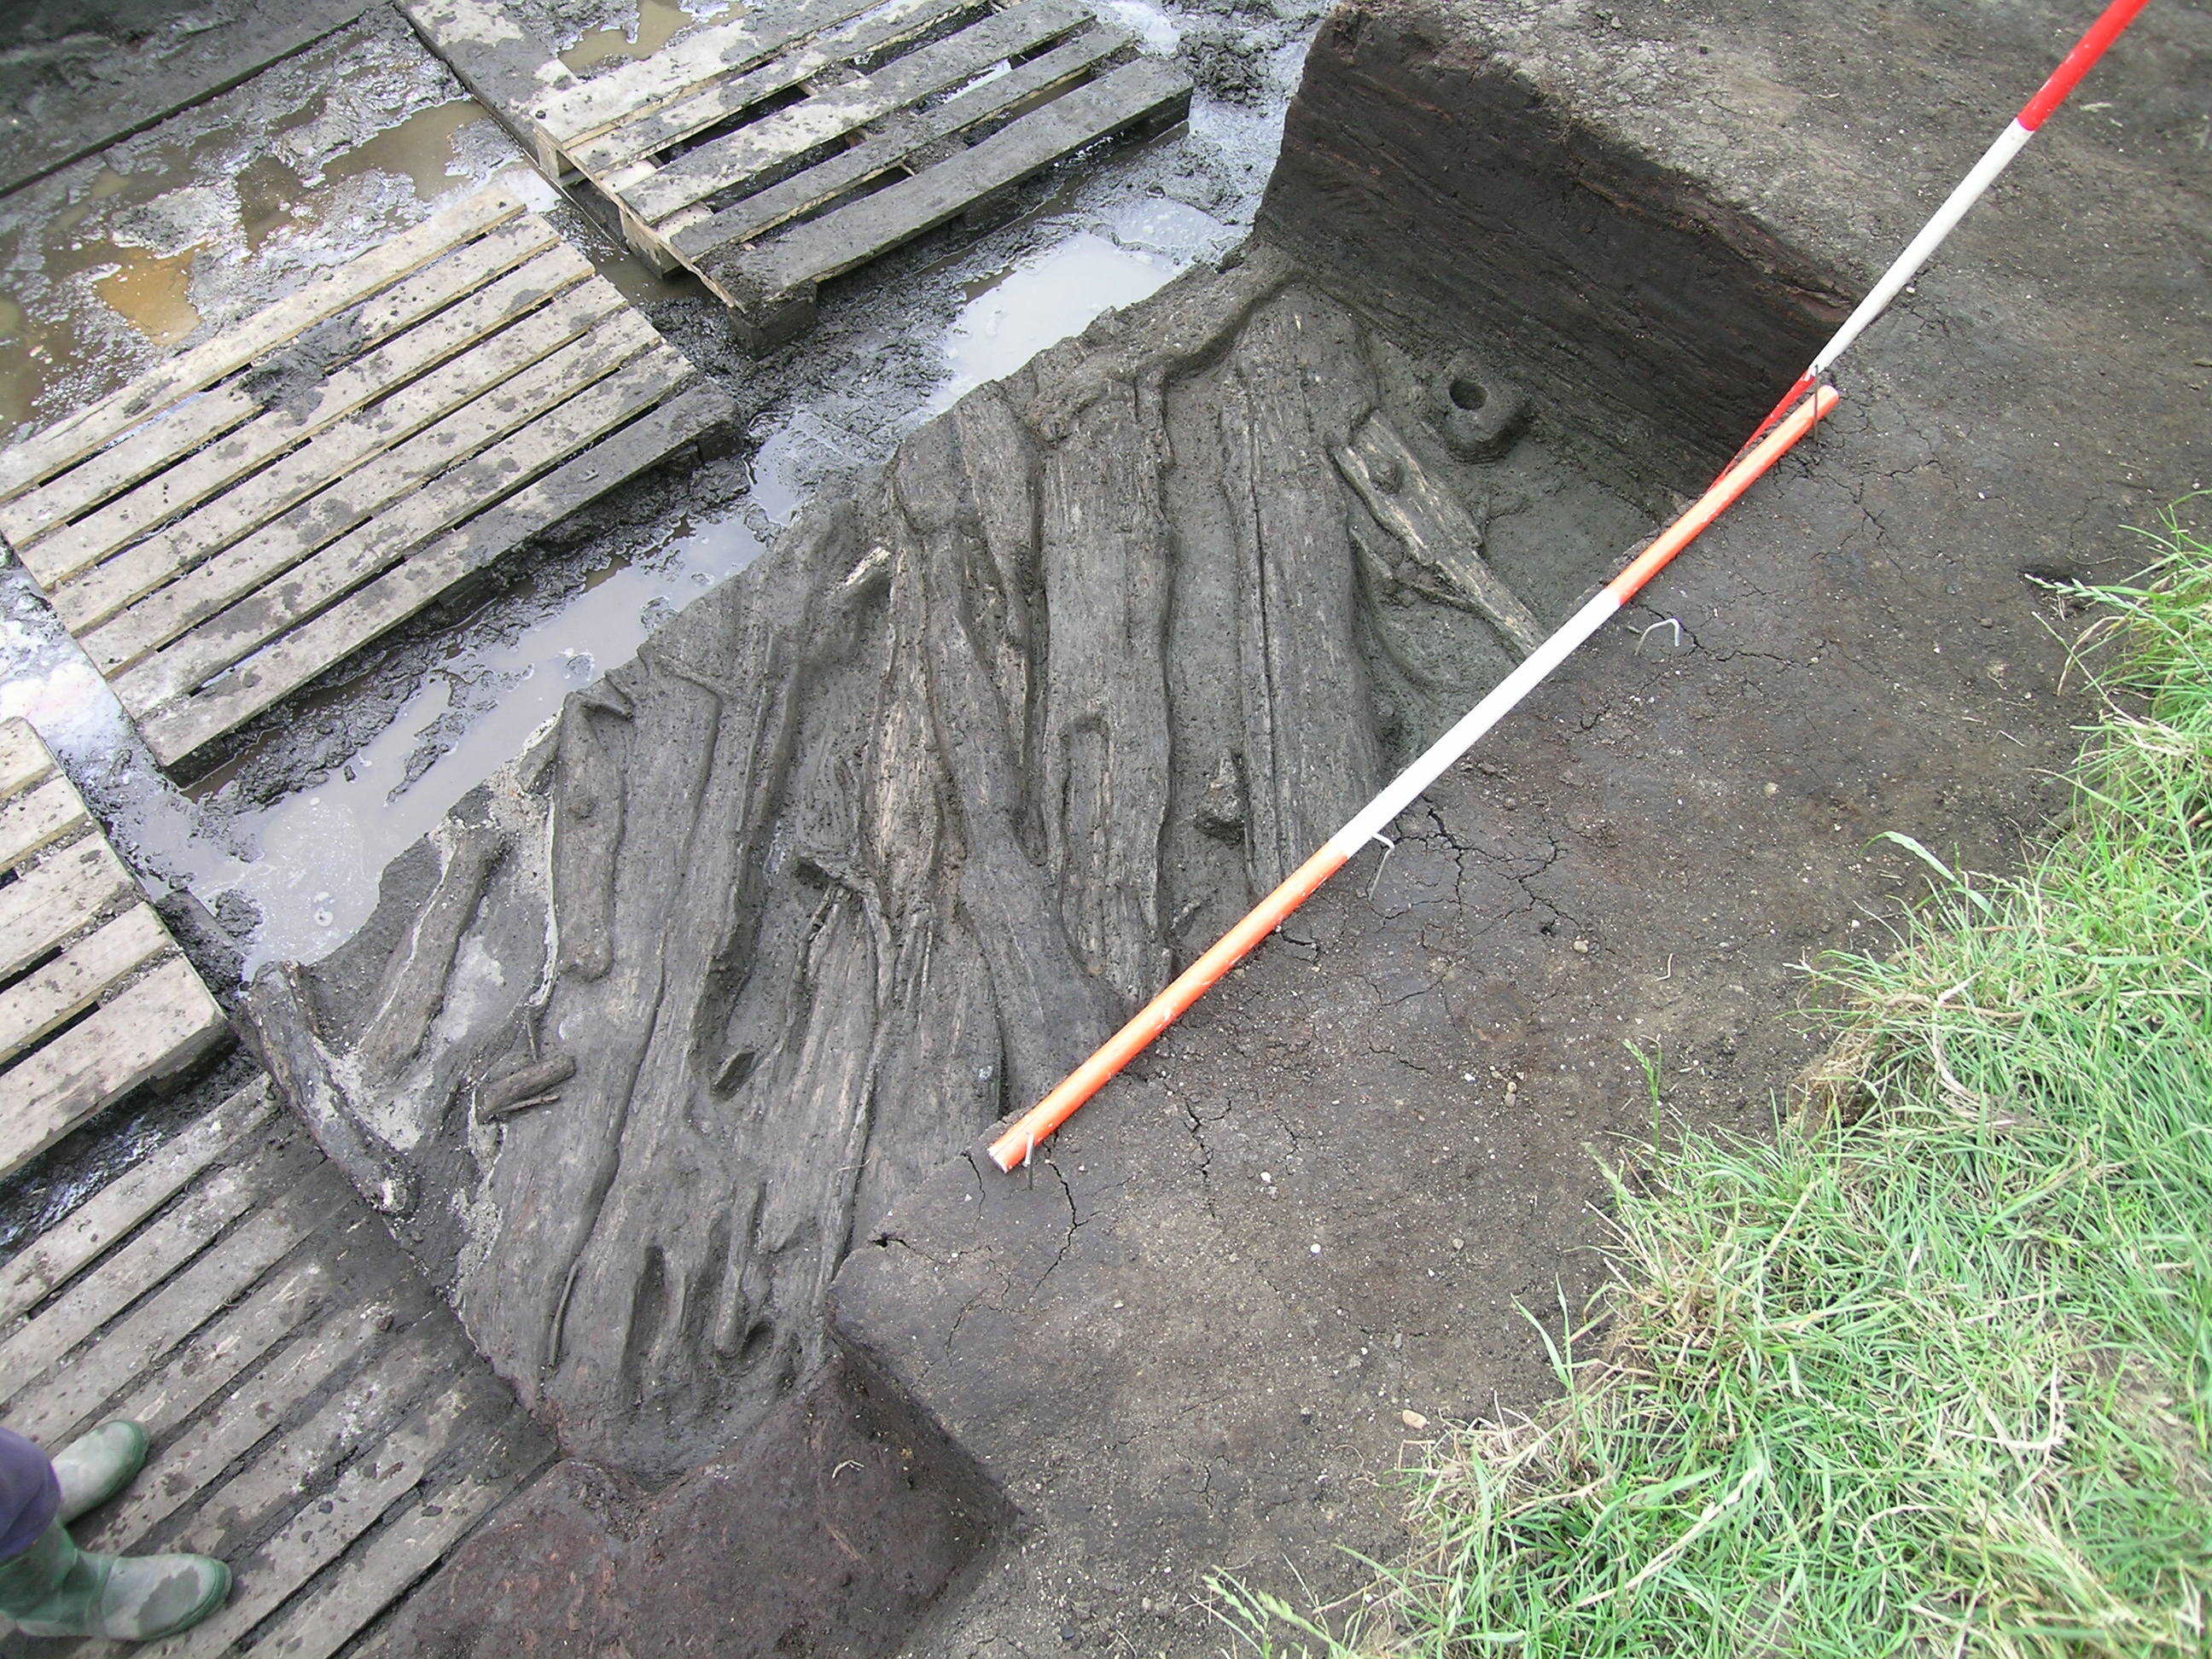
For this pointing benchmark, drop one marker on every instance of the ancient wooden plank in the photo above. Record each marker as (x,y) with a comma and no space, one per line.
(504,64)
(320,1532)
(759,278)
(39,817)
(242,1420)
(48,901)
(155,1028)
(78,977)
(1436,531)
(434,480)
(24,757)
(63,1250)
(40,456)
(645,84)
(896,145)
(339,481)
(644,132)
(778,140)
(416,1540)
(411,328)
(158,1251)
(181,730)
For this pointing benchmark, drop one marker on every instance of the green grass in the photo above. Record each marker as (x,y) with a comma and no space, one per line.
(1934,1380)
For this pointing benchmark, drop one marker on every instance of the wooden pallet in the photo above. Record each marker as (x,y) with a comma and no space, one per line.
(98,1000)
(243,517)
(319,1419)
(771,153)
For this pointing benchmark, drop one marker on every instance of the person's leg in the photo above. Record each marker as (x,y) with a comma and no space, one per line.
(95,1465)
(55,1588)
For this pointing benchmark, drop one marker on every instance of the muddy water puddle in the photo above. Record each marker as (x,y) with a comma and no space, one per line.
(114,266)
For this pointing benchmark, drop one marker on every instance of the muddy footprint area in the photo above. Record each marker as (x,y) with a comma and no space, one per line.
(664,1053)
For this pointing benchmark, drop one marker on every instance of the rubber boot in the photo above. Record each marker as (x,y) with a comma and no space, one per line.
(55,1588)
(94,1467)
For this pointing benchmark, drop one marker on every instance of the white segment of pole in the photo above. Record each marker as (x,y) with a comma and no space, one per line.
(1921,247)
(1402,790)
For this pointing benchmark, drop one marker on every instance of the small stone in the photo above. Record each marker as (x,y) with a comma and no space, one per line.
(1582,947)
(1412,1419)
(1458,1243)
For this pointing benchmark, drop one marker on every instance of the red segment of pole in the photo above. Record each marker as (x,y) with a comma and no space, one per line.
(1013,1148)
(1717,499)
(2108,27)
(2111,23)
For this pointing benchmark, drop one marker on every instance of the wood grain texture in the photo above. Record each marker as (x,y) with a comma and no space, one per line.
(859,851)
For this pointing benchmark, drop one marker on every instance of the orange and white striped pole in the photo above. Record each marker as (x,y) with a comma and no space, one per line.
(1012,1148)
(2111,23)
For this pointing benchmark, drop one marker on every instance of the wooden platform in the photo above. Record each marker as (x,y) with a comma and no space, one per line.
(772,152)
(98,999)
(252,513)
(319,1420)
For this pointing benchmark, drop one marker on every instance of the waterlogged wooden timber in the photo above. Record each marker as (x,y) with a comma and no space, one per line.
(99,1001)
(646,1035)
(245,518)
(768,154)
(318,1419)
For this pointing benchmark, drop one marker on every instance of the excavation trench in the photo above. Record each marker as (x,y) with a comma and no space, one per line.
(666,1052)
(870,842)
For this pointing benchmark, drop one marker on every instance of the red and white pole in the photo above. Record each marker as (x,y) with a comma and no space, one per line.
(2088,50)
(1790,420)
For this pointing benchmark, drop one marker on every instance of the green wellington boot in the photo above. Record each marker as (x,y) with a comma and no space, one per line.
(94,1467)
(55,1588)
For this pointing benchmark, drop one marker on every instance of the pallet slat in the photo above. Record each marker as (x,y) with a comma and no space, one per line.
(63,1250)
(191,472)
(188,527)
(38,817)
(44,904)
(413,1542)
(643,84)
(754,150)
(182,729)
(883,153)
(159,1025)
(53,1409)
(68,440)
(643,133)
(436,480)
(158,1250)
(320,1532)
(758,280)
(423,430)
(77,978)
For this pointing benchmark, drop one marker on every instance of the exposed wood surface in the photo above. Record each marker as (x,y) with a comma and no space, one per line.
(771,152)
(95,998)
(192,529)
(319,1420)
(757,279)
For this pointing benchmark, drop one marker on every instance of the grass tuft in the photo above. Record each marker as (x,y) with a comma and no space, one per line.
(1931,1375)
